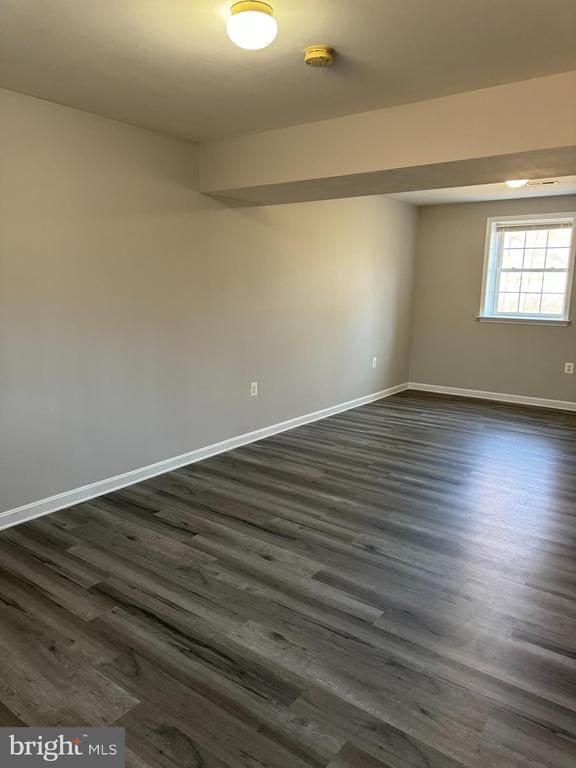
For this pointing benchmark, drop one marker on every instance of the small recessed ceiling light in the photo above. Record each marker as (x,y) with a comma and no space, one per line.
(251,24)
(516,183)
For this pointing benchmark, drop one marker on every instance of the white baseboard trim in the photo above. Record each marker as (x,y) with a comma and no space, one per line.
(77,495)
(502,397)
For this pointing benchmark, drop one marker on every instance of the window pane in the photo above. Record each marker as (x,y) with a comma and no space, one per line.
(554,282)
(552,304)
(508,302)
(536,238)
(534,258)
(514,239)
(510,282)
(559,238)
(512,259)
(530,303)
(528,269)
(557,258)
(532,282)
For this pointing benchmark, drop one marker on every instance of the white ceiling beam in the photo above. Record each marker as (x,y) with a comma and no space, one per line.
(520,129)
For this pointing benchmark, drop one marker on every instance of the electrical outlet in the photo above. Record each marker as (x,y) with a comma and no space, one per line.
(569,368)
(254,389)
(374,362)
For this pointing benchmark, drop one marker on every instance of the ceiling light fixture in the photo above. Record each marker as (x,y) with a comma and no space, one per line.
(516,183)
(251,25)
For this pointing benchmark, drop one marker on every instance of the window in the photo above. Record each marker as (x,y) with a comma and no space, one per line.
(528,269)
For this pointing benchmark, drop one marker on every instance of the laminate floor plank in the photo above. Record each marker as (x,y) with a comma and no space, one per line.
(392,587)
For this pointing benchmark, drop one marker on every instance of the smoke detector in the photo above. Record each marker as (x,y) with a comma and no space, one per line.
(319,56)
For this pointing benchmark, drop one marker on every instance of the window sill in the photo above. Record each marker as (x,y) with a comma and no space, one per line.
(521,320)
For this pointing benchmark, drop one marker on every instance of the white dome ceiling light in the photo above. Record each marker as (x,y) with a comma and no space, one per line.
(516,183)
(251,25)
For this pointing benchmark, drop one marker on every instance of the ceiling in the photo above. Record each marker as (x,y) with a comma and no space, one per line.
(566,185)
(169,66)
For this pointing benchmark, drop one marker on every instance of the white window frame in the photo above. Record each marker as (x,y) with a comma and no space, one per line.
(489,291)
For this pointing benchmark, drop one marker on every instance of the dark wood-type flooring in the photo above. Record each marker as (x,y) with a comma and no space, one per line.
(393,587)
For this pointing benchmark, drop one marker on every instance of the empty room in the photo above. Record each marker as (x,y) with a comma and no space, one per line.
(287,385)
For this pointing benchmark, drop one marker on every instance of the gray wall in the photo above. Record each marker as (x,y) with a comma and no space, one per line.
(134,312)
(449,346)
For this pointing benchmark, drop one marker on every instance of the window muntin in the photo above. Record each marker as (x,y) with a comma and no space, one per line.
(528,270)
